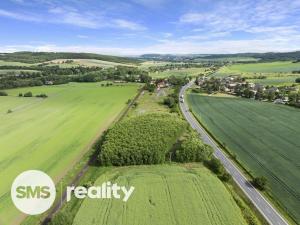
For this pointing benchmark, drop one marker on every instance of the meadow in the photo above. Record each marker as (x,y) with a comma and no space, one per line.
(270,67)
(276,73)
(164,195)
(179,72)
(263,136)
(86,62)
(52,134)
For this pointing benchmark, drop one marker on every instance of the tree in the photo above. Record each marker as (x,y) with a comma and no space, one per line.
(3,93)
(169,101)
(28,94)
(226,177)
(260,183)
(150,87)
(216,166)
(145,78)
(192,149)
(297,80)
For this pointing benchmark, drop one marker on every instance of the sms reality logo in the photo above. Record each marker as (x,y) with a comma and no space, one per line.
(33,192)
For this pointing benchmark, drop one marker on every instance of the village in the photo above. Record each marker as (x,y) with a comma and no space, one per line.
(239,86)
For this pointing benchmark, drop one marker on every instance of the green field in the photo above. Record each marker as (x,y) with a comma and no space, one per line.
(277,73)
(85,62)
(52,134)
(271,67)
(263,136)
(164,195)
(7,63)
(276,80)
(179,72)
(151,102)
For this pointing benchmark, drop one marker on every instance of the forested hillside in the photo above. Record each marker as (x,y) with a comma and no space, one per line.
(38,57)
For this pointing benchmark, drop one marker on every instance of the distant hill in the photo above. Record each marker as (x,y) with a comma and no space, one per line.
(39,57)
(269,56)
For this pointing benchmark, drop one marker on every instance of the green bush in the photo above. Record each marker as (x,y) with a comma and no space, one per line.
(225,176)
(3,93)
(192,149)
(28,94)
(42,96)
(260,183)
(216,166)
(144,139)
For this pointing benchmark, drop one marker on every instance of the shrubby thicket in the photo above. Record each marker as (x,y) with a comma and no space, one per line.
(192,149)
(145,139)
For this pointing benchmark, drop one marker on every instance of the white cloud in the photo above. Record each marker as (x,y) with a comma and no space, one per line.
(167,35)
(71,16)
(128,25)
(243,15)
(175,47)
(151,3)
(19,16)
(82,36)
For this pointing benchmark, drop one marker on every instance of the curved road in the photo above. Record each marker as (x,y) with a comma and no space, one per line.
(270,213)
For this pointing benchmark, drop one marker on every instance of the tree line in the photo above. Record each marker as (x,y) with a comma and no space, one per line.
(57,75)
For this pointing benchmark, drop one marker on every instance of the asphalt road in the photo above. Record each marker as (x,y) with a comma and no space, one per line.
(270,214)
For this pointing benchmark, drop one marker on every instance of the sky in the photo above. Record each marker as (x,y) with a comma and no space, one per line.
(134,27)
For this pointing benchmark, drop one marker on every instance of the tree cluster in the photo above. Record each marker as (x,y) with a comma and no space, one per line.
(192,149)
(145,139)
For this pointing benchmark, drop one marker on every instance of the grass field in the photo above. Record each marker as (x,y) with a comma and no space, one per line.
(164,195)
(277,73)
(51,134)
(150,102)
(6,63)
(179,72)
(86,62)
(264,137)
(276,80)
(272,67)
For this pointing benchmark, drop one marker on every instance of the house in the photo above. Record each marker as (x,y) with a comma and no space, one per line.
(232,85)
(251,85)
(163,84)
(279,101)
(273,89)
(259,87)
(49,82)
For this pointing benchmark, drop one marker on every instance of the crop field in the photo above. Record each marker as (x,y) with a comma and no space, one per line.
(86,62)
(179,72)
(272,67)
(164,195)
(52,134)
(7,63)
(263,136)
(277,73)
(15,71)
(276,80)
